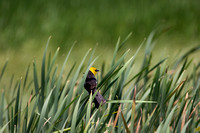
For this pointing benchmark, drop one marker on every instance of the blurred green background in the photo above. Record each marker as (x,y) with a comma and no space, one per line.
(26,25)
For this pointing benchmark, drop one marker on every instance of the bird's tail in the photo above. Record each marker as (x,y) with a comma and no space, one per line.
(98,99)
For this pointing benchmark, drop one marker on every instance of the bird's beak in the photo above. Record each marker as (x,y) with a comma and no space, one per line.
(96,70)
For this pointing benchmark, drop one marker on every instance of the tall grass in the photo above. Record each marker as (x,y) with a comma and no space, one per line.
(159,97)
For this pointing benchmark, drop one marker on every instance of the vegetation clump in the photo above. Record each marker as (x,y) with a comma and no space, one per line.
(159,97)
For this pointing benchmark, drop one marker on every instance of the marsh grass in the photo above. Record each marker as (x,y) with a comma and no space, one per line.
(159,97)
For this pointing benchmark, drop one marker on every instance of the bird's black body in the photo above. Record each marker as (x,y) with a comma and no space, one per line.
(90,85)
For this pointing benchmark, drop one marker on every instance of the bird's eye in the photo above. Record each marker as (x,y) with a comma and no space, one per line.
(96,70)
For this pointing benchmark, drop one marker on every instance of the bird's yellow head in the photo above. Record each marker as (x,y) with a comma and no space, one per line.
(93,70)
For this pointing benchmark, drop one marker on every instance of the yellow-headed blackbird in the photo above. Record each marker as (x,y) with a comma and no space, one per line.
(91,86)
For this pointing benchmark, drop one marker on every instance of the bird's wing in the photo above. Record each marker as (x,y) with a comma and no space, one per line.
(90,84)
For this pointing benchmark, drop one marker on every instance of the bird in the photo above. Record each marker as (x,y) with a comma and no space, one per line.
(91,86)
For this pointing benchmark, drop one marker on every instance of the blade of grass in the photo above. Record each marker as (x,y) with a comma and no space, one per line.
(74,117)
(138,126)
(49,60)
(185,127)
(192,50)
(52,64)
(35,77)
(54,78)
(107,77)
(139,73)
(4,127)
(127,63)
(60,108)
(147,122)
(160,128)
(87,126)
(109,86)
(125,124)
(25,120)
(2,108)
(108,117)
(168,120)
(116,118)
(17,106)
(64,130)
(70,72)
(129,101)
(125,40)
(43,113)
(31,120)
(3,70)
(43,83)
(18,127)
(133,111)
(174,91)
(68,106)
(88,109)
(59,81)
(101,119)
(26,76)
(11,83)
(115,52)
(12,121)
(184,112)
(194,110)
(61,112)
